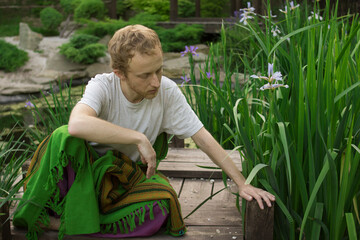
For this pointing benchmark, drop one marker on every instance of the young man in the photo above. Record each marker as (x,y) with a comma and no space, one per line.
(126,111)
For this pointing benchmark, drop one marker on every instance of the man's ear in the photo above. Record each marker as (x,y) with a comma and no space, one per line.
(119,73)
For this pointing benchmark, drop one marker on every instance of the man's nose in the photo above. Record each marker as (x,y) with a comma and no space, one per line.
(155,80)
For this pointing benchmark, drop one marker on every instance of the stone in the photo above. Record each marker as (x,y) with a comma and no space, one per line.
(175,67)
(97,68)
(28,39)
(60,63)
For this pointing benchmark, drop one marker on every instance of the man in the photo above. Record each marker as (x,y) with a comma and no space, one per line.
(126,111)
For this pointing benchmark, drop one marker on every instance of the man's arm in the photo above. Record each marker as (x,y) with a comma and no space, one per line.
(206,142)
(85,124)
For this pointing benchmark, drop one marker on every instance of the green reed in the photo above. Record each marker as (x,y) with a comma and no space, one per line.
(301,143)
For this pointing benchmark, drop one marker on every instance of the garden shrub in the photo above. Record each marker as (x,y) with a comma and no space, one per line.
(69,6)
(110,26)
(186,8)
(176,38)
(159,7)
(83,48)
(88,9)
(214,8)
(11,57)
(50,18)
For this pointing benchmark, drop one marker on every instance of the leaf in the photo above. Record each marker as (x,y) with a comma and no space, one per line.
(351,226)
(254,171)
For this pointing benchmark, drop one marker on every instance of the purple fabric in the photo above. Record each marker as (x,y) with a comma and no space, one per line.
(147,228)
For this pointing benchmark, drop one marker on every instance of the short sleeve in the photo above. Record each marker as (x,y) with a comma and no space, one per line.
(95,95)
(179,118)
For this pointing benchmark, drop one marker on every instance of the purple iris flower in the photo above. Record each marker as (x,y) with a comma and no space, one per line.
(29,104)
(191,49)
(185,80)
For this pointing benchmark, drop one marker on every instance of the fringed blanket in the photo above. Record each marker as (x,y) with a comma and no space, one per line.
(109,194)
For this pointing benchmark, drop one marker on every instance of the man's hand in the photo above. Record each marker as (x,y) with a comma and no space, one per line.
(249,192)
(147,156)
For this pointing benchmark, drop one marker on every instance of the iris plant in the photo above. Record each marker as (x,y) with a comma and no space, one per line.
(316,16)
(272,79)
(292,7)
(245,13)
(191,50)
(185,80)
(29,104)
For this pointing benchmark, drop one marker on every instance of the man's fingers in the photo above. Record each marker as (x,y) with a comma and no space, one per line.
(150,171)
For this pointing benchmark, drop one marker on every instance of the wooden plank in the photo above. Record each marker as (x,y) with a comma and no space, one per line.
(177,184)
(193,233)
(184,163)
(255,217)
(220,210)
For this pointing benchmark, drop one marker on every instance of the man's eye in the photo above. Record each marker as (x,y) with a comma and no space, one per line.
(145,75)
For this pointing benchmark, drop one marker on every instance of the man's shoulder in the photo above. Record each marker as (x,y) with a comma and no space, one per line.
(104,77)
(165,81)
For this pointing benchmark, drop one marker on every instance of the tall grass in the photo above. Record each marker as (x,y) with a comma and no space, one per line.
(303,141)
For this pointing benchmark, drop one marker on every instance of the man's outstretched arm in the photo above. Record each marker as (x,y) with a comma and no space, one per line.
(85,124)
(206,142)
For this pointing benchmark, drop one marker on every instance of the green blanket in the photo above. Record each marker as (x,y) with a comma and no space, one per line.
(106,190)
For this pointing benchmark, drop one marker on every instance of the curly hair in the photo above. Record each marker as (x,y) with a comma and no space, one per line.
(129,40)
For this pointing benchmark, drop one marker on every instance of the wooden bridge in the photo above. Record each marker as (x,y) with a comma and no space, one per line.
(218,218)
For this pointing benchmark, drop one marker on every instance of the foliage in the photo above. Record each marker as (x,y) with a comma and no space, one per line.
(122,6)
(158,7)
(83,48)
(88,9)
(9,24)
(186,8)
(50,112)
(214,8)
(308,135)
(11,168)
(69,6)
(174,39)
(11,57)
(50,18)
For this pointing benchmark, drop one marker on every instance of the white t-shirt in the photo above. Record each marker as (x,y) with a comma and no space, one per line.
(168,112)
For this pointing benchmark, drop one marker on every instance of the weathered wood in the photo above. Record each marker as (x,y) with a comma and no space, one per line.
(5,223)
(176,142)
(197,8)
(173,10)
(259,224)
(220,210)
(186,162)
(193,233)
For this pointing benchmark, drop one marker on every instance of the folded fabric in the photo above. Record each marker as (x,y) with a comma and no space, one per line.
(109,194)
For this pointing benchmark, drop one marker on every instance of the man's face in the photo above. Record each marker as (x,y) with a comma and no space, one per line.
(143,76)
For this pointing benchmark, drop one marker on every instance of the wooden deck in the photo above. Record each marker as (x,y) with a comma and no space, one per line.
(218,218)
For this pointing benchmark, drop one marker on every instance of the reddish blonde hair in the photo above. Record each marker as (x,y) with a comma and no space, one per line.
(129,40)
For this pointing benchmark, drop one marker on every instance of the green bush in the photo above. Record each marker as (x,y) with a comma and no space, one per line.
(69,6)
(90,9)
(110,26)
(158,7)
(11,57)
(83,48)
(50,18)
(177,38)
(186,8)
(214,8)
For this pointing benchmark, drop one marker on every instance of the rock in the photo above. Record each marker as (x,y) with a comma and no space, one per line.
(97,68)
(105,40)
(28,39)
(59,62)
(175,67)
